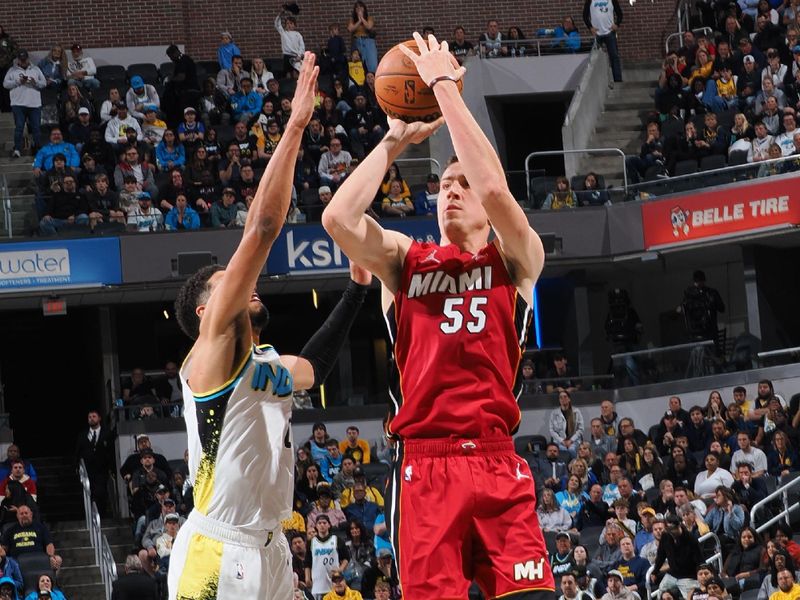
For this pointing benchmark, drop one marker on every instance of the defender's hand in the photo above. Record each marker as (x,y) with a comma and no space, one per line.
(303,101)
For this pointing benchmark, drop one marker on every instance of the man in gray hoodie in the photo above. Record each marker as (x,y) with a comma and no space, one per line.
(25,82)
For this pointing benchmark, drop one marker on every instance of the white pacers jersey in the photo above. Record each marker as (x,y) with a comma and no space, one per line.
(241,461)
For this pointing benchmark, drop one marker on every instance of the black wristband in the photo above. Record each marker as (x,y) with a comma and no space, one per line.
(323,348)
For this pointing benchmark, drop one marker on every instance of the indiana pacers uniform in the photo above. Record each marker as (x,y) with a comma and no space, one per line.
(458,325)
(241,463)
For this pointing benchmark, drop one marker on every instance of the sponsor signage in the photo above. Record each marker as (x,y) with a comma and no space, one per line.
(308,248)
(765,204)
(59,263)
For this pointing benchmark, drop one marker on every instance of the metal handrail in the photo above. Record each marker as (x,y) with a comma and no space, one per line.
(780,352)
(540,42)
(6,198)
(576,151)
(663,349)
(679,34)
(103,557)
(784,514)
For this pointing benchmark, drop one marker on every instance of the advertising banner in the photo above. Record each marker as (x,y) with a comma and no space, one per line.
(765,204)
(59,263)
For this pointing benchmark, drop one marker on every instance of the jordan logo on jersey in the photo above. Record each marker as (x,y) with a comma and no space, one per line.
(421,284)
(430,258)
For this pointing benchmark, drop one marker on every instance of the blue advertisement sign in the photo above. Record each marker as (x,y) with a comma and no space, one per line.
(308,248)
(59,263)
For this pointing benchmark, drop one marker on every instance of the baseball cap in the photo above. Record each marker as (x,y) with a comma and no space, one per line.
(669,415)
(188,110)
(145,196)
(169,501)
(358,472)
(161,488)
(561,535)
(230,190)
(649,511)
(137,82)
(796,49)
(121,104)
(76,47)
(146,451)
(226,34)
(172,517)
(22,54)
(83,110)
(384,552)
(615,573)
(324,189)
(433,178)
(323,487)
(749,58)
(150,108)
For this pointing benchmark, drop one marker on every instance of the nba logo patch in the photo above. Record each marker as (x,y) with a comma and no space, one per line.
(408,473)
(239,570)
(410,91)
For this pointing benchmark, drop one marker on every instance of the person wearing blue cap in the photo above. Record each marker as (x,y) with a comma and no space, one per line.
(145,217)
(140,95)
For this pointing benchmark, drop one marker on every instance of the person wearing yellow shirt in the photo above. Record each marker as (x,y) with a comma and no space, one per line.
(357,448)
(340,590)
(372,493)
(294,523)
(356,70)
(787,588)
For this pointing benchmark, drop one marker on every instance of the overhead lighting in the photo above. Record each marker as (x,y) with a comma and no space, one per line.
(166,314)
(314,298)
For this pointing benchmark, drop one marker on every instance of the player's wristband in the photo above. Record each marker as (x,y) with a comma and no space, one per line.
(436,80)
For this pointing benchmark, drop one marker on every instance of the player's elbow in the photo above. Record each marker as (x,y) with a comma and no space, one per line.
(334,221)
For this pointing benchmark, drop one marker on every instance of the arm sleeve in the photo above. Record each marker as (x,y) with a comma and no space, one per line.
(617,12)
(587,17)
(323,348)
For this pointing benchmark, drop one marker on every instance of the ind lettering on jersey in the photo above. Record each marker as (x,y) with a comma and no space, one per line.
(440,282)
(278,377)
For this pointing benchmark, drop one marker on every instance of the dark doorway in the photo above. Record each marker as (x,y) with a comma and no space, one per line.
(52,375)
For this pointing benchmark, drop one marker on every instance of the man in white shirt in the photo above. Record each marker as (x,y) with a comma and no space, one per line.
(81,70)
(25,82)
(603,18)
(117,126)
(749,454)
(786,139)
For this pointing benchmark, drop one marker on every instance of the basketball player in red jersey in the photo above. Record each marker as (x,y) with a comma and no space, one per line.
(462,503)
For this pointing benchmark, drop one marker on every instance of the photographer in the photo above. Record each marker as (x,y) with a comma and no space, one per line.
(623,328)
(700,307)
(25,82)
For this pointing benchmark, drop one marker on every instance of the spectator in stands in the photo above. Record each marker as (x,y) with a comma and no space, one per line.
(608,552)
(633,568)
(490,42)
(783,537)
(9,569)
(715,407)
(627,428)
(27,536)
(395,204)
(325,505)
(759,147)
(13,454)
(781,457)
(65,207)
(326,554)
(394,174)
(306,486)
(356,72)
(460,47)
(620,519)
(786,139)
(153,128)
(561,197)
(681,551)
(550,468)
(148,555)
(147,464)
(566,424)
(768,90)
(44,157)
(570,590)
(354,446)
(381,577)
(80,129)
(142,171)
(615,588)
(561,557)
(788,589)
(108,109)
(650,154)
(16,496)
(332,462)
(744,561)
(81,70)
(361,26)
(604,23)
(182,216)
(226,50)
(692,521)
(165,541)
(70,104)
(213,104)
(372,493)
(725,517)
(570,498)
(292,44)
(317,443)
(777,559)
(344,478)
(333,164)
(709,480)
(650,550)
(54,67)
(552,516)
(134,584)
(246,102)
(749,454)
(183,79)
(721,93)
(748,83)
(339,588)
(425,200)
(116,128)
(223,212)
(170,153)
(139,96)
(594,511)
(361,509)
(363,124)
(191,132)
(45,589)
(19,475)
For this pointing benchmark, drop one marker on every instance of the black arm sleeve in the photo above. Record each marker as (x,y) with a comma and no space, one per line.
(617,12)
(323,348)
(587,19)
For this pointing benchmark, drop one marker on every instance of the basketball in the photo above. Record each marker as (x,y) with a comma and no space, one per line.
(400,91)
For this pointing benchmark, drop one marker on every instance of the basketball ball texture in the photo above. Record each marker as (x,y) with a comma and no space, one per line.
(400,91)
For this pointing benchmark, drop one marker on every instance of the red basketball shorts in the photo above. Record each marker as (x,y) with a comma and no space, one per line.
(464,510)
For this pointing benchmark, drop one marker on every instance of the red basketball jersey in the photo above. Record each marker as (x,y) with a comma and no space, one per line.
(458,326)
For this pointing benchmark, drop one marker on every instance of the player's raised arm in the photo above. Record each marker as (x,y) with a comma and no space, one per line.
(360,237)
(266,215)
(518,242)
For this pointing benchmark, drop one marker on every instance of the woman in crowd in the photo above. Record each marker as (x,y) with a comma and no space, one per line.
(170,153)
(395,204)
(362,553)
(72,102)
(781,458)
(16,496)
(703,67)
(741,130)
(54,67)
(197,165)
(671,593)
(631,459)
(715,407)
(744,561)
(692,521)
(581,563)
(592,195)
(707,482)
(169,191)
(45,586)
(552,517)
(665,503)
(260,75)
(566,424)
(515,47)
(580,469)
(393,174)
(562,197)
(571,498)
(362,28)
(652,465)
(306,488)
(108,109)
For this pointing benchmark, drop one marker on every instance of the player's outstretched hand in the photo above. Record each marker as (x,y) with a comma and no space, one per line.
(412,133)
(303,101)
(359,274)
(434,59)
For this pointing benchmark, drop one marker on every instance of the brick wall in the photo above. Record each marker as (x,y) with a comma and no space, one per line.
(101,23)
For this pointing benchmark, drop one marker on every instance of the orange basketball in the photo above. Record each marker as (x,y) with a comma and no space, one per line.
(400,91)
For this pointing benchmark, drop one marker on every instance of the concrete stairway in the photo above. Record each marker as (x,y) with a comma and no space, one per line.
(60,493)
(18,176)
(621,125)
(79,577)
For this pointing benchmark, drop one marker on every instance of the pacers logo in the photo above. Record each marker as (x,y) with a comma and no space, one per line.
(410,92)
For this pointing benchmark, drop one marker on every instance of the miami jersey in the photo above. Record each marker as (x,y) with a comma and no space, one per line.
(240,443)
(458,326)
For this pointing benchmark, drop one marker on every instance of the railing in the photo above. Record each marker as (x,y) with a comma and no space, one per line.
(595,382)
(8,216)
(541,46)
(783,492)
(617,151)
(679,35)
(103,557)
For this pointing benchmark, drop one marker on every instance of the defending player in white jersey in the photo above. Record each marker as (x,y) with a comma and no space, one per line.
(238,398)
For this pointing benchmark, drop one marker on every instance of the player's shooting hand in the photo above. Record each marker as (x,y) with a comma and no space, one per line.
(359,274)
(434,59)
(303,101)
(412,133)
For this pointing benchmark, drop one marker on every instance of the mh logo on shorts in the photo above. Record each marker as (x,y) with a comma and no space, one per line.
(530,570)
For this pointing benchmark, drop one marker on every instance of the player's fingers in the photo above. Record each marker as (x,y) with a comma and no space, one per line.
(409,53)
(444,46)
(460,72)
(433,45)
(421,44)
